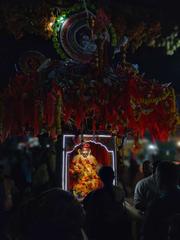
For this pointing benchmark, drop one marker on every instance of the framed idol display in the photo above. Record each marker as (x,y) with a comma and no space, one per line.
(83,156)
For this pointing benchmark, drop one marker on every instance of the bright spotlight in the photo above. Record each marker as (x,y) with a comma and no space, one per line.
(178,143)
(152,147)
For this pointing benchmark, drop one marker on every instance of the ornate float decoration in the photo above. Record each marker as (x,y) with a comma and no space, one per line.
(30,61)
(74,35)
(91,88)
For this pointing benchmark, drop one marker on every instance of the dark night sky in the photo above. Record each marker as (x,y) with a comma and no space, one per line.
(154,62)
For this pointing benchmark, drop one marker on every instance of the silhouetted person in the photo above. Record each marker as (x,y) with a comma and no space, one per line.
(147,168)
(54,214)
(163,215)
(146,190)
(7,197)
(133,169)
(105,214)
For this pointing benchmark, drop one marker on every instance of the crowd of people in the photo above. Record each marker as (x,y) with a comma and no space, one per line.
(32,207)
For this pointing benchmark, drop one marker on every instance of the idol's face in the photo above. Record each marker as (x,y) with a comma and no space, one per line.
(85,153)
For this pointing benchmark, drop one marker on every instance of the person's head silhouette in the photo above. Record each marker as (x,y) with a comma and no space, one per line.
(167,175)
(155,161)
(106,174)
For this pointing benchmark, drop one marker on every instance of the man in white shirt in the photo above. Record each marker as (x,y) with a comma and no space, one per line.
(146,190)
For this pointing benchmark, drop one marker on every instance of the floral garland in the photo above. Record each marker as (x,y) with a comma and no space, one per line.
(155,100)
(171,43)
(57,25)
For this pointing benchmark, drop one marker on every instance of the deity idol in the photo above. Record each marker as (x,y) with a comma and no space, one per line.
(83,172)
